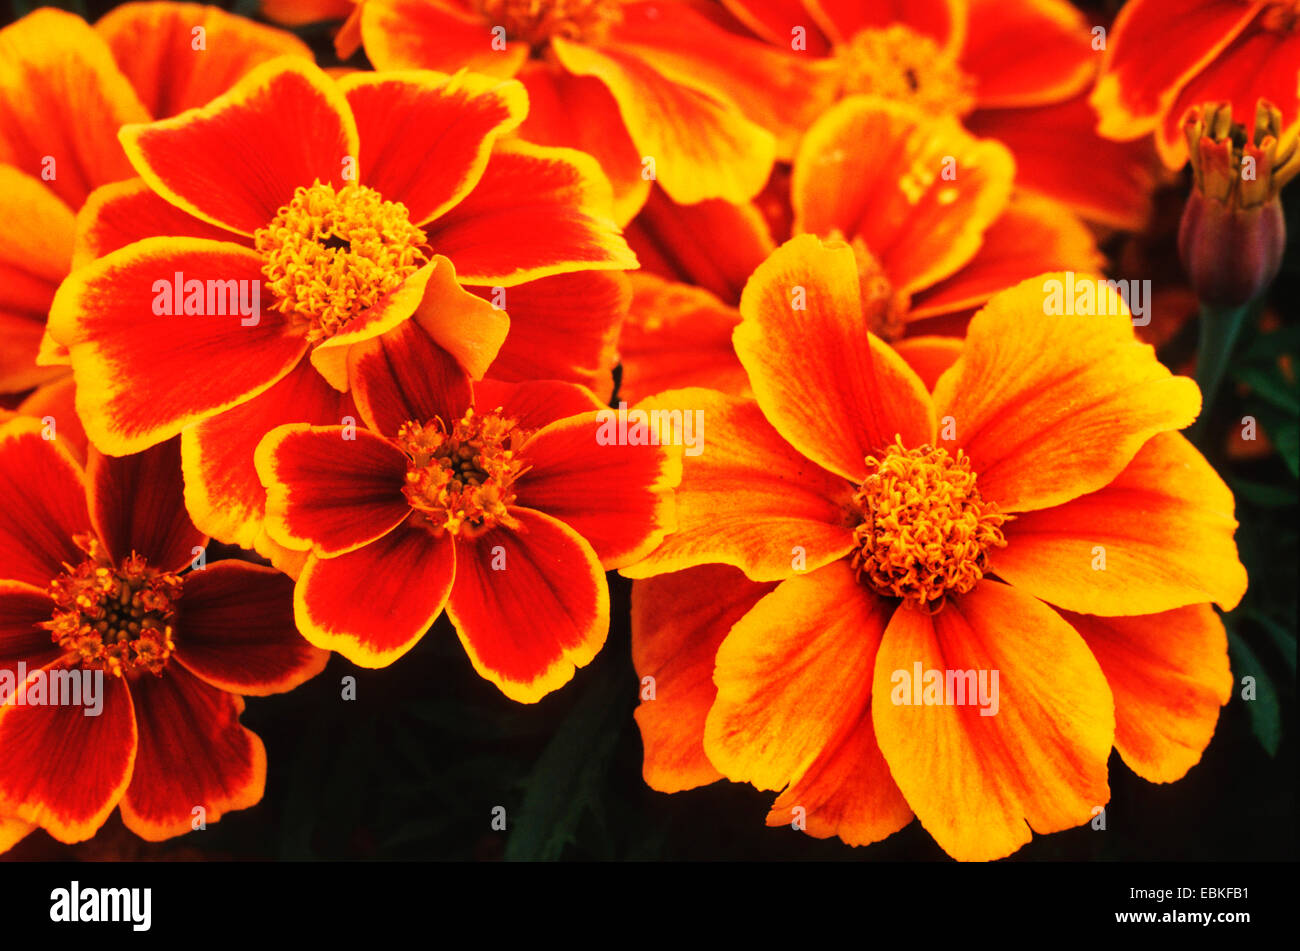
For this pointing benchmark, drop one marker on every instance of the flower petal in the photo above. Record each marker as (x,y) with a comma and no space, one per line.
(404,376)
(678,336)
(919,191)
(929,356)
(13,831)
(1026,54)
(236,161)
(434,34)
(23,611)
(975,780)
(702,146)
(619,498)
(563,328)
(153,44)
(372,605)
(1051,405)
(426,137)
(852,394)
(193,753)
(528,624)
(222,491)
(749,499)
(1164,528)
(141,376)
(678,622)
(792,674)
(62,98)
(536,211)
(137,506)
(45,505)
(942,20)
(236,631)
(65,770)
(330,488)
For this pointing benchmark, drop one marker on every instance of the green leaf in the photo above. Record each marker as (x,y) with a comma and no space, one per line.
(1269,385)
(1262,494)
(1265,711)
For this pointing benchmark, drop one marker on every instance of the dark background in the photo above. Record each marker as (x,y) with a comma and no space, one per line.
(413,768)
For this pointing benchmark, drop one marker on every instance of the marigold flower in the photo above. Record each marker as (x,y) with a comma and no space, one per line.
(65,90)
(1232,233)
(883,525)
(625,80)
(498,503)
(1165,56)
(1018,73)
(928,208)
(98,575)
(348,203)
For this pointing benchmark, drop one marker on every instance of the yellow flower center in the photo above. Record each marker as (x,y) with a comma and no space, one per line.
(462,480)
(901,64)
(925,530)
(331,255)
(118,618)
(1221,149)
(535,21)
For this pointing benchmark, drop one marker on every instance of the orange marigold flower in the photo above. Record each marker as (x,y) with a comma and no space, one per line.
(65,90)
(99,579)
(1036,514)
(337,211)
(928,208)
(1015,72)
(1166,56)
(499,502)
(653,89)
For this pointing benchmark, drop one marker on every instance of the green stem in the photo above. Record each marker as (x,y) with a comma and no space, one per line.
(1220,327)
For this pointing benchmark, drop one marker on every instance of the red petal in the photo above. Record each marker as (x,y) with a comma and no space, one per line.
(403,376)
(236,632)
(45,505)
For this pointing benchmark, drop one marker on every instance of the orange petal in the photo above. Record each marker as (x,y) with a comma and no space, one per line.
(619,498)
(530,605)
(678,336)
(299,12)
(563,328)
(154,44)
(792,674)
(1169,673)
(942,20)
(62,100)
(1028,53)
(776,20)
(975,780)
(435,34)
(143,376)
(749,499)
(236,161)
(1102,180)
(1050,406)
(13,831)
(536,212)
(1161,533)
(702,146)
(929,357)
(578,112)
(426,138)
(1154,48)
(678,622)
(193,752)
(57,400)
(46,504)
(852,394)
(919,191)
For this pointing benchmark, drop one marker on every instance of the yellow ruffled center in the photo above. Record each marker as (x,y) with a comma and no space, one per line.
(535,21)
(924,531)
(900,64)
(332,254)
(119,618)
(462,479)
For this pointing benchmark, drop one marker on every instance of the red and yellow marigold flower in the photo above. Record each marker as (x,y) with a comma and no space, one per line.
(629,81)
(65,90)
(98,575)
(351,207)
(499,503)
(929,209)
(1019,73)
(1036,512)
(1166,56)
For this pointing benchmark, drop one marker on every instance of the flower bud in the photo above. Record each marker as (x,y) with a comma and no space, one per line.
(1233,233)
